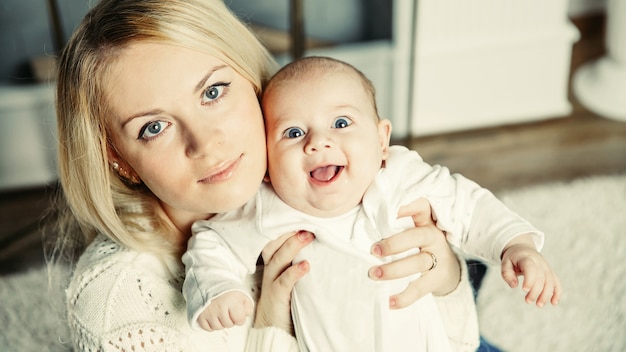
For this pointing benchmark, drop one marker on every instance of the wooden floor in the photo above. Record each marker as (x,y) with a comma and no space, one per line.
(21,217)
(579,145)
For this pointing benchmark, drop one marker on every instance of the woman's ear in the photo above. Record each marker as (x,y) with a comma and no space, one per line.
(384,136)
(112,155)
(119,166)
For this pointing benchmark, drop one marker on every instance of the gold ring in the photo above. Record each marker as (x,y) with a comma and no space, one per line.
(434,258)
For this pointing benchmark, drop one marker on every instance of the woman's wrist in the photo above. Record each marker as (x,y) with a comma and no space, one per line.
(270,338)
(263,320)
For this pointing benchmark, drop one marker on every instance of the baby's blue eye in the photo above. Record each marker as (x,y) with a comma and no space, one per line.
(152,129)
(293,132)
(342,122)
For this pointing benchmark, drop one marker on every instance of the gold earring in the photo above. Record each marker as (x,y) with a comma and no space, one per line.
(124,174)
(120,171)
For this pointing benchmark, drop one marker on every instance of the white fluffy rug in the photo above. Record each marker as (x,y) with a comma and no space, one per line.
(585,226)
(585,223)
(32,313)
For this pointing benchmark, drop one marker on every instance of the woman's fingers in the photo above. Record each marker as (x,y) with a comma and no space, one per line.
(279,253)
(270,249)
(279,267)
(279,278)
(419,237)
(288,278)
(431,242)
(419,210)
(414,291)
(435,260)
(417,263)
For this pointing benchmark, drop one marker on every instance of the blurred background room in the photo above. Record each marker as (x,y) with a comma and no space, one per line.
(510,93)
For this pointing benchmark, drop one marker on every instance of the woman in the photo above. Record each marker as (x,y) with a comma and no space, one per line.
(159,126)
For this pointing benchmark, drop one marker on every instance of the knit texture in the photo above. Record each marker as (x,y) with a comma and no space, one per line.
(122,300)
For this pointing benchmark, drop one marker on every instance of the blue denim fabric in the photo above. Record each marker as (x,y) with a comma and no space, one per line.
(485,346)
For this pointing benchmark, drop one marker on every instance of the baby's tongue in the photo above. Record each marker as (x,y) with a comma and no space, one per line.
(324,173)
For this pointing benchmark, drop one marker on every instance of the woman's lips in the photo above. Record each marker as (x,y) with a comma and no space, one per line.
(222,172)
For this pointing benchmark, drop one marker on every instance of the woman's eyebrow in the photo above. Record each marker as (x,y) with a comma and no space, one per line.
(198,87)
(206,77)
(153,112)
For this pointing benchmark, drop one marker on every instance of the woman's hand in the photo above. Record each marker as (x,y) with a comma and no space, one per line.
(279,278)
(439,278)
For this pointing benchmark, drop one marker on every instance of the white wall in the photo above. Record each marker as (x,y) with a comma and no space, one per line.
(489,62)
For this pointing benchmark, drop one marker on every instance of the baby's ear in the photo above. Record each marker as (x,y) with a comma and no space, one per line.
(384,136)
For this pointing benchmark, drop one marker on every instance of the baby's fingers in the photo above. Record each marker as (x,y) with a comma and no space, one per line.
(534,285)
(211,323)
(551,292)
(204,324)
(239,313)
(556,297)
(509,274)
(546,294)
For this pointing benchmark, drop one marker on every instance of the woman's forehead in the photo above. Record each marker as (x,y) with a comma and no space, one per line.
(155,71)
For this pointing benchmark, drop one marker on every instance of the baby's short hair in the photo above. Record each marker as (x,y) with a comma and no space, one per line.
(308,66)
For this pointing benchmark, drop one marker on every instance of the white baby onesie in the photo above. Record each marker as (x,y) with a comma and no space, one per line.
(336,306)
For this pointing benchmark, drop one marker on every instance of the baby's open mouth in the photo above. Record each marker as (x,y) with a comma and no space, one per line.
(326,173)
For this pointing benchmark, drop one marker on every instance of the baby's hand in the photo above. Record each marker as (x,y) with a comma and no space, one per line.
(540,282)
(227,310)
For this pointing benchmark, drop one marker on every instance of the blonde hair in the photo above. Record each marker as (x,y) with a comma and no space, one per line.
(311,66)
(99,201)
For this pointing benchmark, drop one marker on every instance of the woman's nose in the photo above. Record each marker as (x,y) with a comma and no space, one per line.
(201,139)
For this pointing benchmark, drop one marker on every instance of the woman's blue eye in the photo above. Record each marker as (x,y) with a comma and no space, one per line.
(213,92)
(293,132)
(152,129)
(342,122)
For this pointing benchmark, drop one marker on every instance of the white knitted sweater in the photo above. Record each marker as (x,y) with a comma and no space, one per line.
(124,300)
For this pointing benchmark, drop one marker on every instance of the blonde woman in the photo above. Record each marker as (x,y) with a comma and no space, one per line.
(159,125)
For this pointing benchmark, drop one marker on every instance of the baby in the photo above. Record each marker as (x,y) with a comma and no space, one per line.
(332,172)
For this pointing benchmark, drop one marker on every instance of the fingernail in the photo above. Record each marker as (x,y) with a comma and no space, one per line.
(376,272)
(377,250)
(303,266)
(304,235)
(392,302)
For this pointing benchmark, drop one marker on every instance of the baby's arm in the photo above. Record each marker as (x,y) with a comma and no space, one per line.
(476,222)
(497,230)
(225,311)
(520,257)
(496,233)
(216,264)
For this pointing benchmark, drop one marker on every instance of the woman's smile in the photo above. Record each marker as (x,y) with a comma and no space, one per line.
(222,172)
